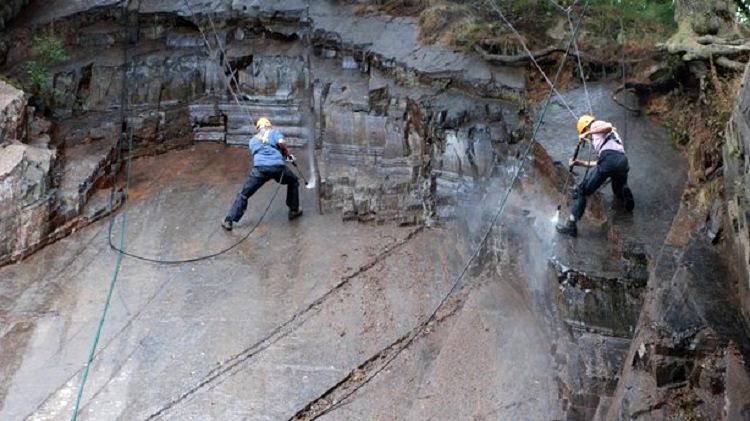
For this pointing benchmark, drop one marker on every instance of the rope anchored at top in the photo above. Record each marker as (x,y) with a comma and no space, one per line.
(416,332)
(518,36)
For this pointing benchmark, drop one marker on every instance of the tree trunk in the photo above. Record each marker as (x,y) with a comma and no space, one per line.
(706,30)
(706,17)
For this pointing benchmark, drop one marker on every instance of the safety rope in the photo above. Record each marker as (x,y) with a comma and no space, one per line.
(127,132)
(580,66)
(532,58)
(626,110)
(224,57)
(569,173)
(501,208)
(207,256)
(560,7)
(124,102)
(121,250)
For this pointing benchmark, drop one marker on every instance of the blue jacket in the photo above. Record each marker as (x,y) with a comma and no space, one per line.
(265,148)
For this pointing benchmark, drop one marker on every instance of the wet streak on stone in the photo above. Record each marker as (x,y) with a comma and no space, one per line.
(231,366)
(366,371)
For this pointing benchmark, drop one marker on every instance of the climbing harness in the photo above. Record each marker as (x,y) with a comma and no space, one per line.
(613,136)
(127,134)
(264,137)
(501,208)
(231,89)
(583,121)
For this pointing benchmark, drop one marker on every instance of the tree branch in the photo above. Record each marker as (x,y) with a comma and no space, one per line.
(521,59)
(730,64)
(517,59)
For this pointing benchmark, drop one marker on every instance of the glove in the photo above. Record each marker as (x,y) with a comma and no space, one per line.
(290,158)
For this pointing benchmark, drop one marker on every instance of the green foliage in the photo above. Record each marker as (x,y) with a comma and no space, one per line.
(10,81)
(679,137)
(640,18)
(48,51)
(520,8)
(743,6)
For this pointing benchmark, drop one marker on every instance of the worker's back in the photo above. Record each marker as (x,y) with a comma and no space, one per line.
(265,148)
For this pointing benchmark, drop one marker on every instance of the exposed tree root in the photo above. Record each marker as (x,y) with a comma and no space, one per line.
(523,59)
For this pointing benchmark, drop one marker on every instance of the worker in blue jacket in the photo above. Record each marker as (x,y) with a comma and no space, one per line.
(269,154)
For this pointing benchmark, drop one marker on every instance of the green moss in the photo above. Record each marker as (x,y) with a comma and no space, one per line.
(10,81)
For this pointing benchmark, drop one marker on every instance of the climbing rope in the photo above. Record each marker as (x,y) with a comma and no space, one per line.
(580,66)
(531,57)
(121,250)
(501,208)
(569,173)
(127,133)
(224,57)
(625,110)
(124,103)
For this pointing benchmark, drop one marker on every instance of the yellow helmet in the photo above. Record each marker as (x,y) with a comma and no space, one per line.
(262,122)
(584,122)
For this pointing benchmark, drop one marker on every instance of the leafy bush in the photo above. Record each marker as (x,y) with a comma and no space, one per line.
(47,51)
(641,19)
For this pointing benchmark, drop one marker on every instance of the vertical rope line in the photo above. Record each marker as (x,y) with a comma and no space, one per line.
(123,234)
(227,65)
(580,68)
(625,114)
(456,283)
(531,57)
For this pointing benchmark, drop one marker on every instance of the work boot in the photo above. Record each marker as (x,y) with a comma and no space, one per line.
(295,213)
(627,198)
(568,227)
(227,224)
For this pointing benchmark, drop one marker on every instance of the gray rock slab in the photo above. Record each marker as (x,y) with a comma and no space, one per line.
(395,38)
(169,326)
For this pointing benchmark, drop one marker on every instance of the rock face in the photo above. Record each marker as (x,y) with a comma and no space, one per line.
(688,358)
(688,350)
(9,9)
(736,180)
(25,186)
(12,108)
(392,131)
(25,181)
(42,200)
(389,138)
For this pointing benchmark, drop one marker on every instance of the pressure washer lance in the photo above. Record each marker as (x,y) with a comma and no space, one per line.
(556,218)
(291,159)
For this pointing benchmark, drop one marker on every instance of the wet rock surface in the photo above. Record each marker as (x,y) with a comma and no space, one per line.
(9,10)
(735,182)
(392,279)
(690,326)
(307,313)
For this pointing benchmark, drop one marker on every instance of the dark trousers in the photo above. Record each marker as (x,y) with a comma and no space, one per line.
(257,178)
(611,164)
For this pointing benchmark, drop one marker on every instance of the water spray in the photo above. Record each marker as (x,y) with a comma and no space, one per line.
(309,185)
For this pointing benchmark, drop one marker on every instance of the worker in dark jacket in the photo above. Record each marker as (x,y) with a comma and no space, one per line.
(611,163)
(269,153)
